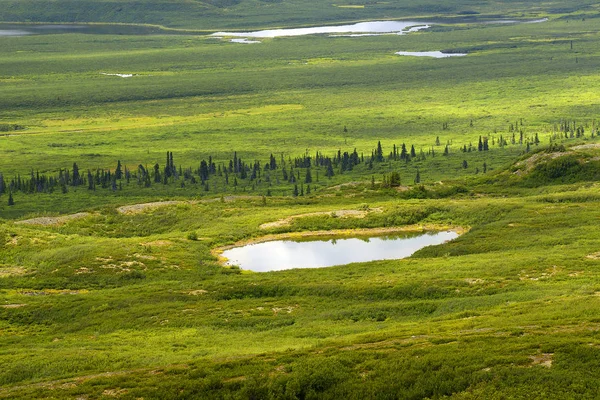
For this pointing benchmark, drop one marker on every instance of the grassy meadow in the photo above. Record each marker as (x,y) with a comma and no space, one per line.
(132,301)
(237,14)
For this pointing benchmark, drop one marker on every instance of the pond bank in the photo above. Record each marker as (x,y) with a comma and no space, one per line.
(339,234)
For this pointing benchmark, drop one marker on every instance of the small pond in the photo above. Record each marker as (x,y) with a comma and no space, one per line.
(244,41)
(434,54)
(359,29)
(316,253)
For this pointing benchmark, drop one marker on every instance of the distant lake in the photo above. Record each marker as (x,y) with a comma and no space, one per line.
(434,54)
(359,29)
(97,29)
(317,253)
(13,32)
(370,28)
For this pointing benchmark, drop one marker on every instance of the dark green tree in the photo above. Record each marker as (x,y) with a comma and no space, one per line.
(329,172)
(157,178)
(119,171)
(379,152)
(91,183)
(76,178)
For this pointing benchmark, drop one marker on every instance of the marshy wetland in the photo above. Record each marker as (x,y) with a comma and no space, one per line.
(118,194)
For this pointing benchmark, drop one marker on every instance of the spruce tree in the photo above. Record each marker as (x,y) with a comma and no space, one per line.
(329,170)
(156,173)
(308,178)
(76,177)
(11,202)
(119,170)
(403,152)
(379,153)
(91,185)
(168,166)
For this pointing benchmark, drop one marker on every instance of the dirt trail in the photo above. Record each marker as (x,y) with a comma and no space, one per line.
(52,220)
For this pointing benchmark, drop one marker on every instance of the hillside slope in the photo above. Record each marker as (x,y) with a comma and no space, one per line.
(218,14)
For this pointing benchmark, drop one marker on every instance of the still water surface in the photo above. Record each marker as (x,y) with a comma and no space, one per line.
(286,254)
(372,27)
(434,54)
(8,29)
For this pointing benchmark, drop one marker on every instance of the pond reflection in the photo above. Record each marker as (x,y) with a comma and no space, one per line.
(287,254)
(372,27)
(434,54)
